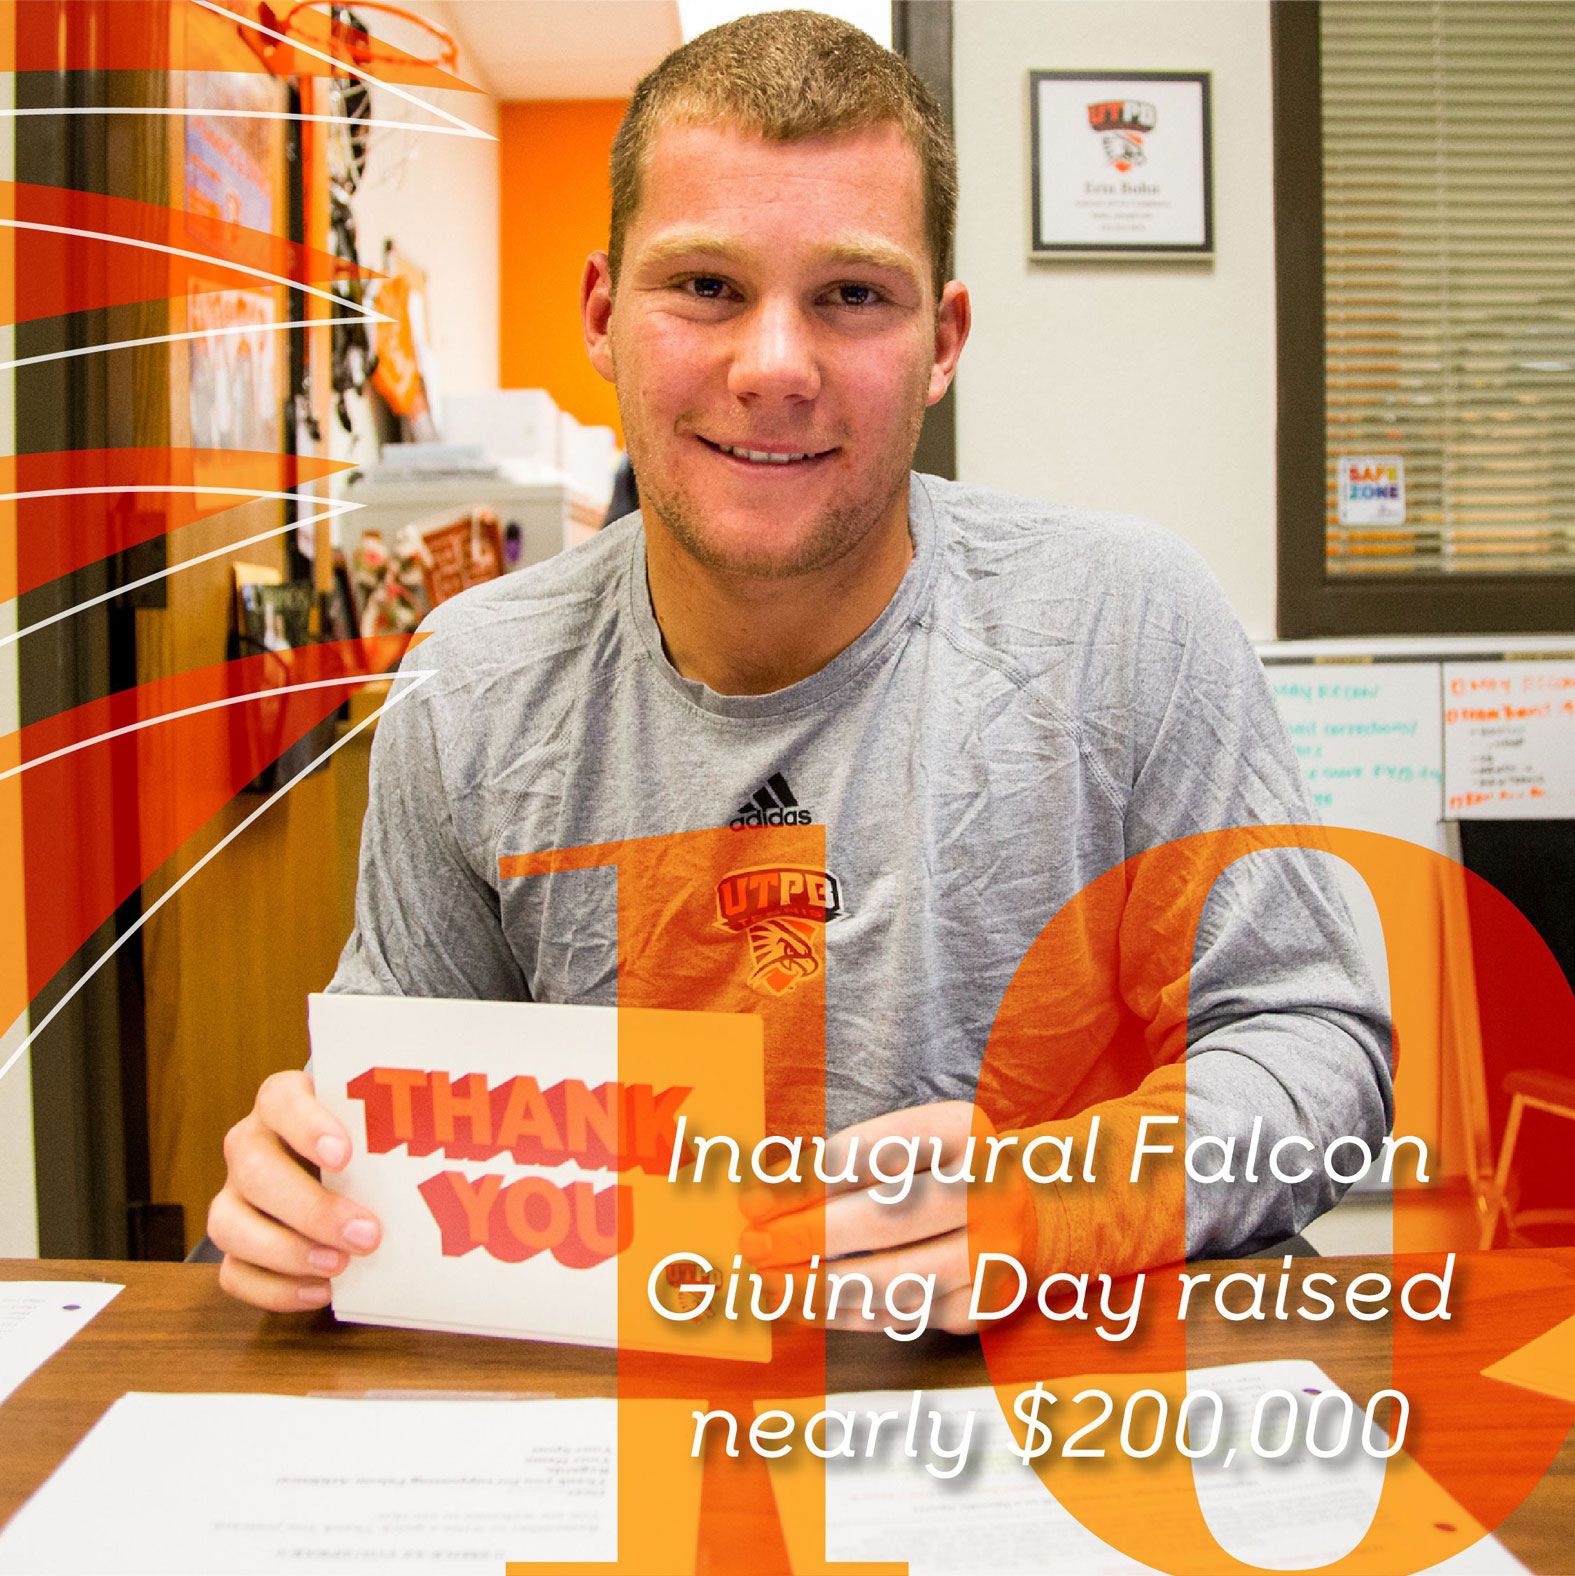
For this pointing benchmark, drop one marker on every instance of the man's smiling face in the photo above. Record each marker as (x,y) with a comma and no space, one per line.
(775,338)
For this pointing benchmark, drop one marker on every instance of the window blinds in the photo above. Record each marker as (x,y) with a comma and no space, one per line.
(1449,258)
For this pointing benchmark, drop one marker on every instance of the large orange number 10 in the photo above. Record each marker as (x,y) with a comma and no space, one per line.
(1103,992)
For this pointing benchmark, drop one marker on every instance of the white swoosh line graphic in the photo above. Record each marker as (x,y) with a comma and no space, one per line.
(191,711)
(344,68)
(208,113)
(332,508)
(194,333)
(173,487)
(455,127)
(140,245)
(419,676)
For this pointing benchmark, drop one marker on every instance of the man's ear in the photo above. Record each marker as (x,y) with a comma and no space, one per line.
(596,312)
(953,318)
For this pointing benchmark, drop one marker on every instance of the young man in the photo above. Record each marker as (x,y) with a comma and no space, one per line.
(987,704)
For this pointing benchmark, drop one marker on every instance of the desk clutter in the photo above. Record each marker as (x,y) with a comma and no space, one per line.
(325,1447)
(399,582)
(525,428)
(195,1485)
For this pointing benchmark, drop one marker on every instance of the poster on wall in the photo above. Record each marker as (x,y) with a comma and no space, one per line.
(1121,164)
(233,165)
(402,371)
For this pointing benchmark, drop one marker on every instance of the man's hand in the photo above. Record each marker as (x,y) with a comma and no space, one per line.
(283,1233)
(927,1233)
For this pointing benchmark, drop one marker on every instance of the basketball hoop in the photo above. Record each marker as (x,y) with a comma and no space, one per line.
(338,28)
(361,50)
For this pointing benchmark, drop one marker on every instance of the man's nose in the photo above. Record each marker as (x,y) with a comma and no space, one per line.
(774,357)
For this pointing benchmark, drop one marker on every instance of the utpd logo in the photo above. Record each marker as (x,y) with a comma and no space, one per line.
(1122,124)
(782,911)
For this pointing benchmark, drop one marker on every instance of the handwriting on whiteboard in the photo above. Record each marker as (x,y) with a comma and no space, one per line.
(1509,739)
(1369,744)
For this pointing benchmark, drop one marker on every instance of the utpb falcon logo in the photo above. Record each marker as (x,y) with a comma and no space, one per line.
(783,911)
(1122,125)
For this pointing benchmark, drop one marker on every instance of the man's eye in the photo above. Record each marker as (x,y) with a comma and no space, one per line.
(856,295)
(706,286)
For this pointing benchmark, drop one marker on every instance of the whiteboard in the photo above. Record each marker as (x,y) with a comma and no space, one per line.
(1370,742)
(1509,740)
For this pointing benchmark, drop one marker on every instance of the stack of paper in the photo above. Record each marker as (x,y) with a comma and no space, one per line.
(174,1484)
(167,1485)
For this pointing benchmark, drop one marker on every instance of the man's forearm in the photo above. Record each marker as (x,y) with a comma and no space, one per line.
(1143,1209)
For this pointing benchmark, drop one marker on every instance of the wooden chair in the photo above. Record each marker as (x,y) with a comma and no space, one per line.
(1538,1091)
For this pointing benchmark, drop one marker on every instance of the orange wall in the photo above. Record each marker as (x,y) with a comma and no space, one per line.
(553,190)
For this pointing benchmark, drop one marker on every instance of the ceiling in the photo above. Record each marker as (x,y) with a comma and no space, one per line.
(558,49)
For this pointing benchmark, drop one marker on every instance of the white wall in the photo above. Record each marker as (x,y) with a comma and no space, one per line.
(437,197)
(18,1190)
(1144,387)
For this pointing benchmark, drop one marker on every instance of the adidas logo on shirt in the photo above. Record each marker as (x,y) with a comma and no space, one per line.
(772,805)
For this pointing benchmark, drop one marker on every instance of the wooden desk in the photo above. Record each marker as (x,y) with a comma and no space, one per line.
(173,1329)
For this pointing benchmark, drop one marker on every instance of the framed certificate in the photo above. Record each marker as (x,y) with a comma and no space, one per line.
(1121,164)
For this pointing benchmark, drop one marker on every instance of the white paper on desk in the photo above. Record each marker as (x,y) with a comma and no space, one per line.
(209,1485)
(37,1318)
(996,1519)
(418,1278)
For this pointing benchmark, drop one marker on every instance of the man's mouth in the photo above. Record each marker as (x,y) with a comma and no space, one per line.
(750,456)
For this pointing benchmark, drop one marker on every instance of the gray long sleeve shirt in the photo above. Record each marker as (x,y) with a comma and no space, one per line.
(1047,694)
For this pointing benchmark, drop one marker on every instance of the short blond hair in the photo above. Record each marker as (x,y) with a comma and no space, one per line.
(785,76)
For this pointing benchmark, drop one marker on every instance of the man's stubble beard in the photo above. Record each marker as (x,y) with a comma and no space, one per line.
(838,531)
